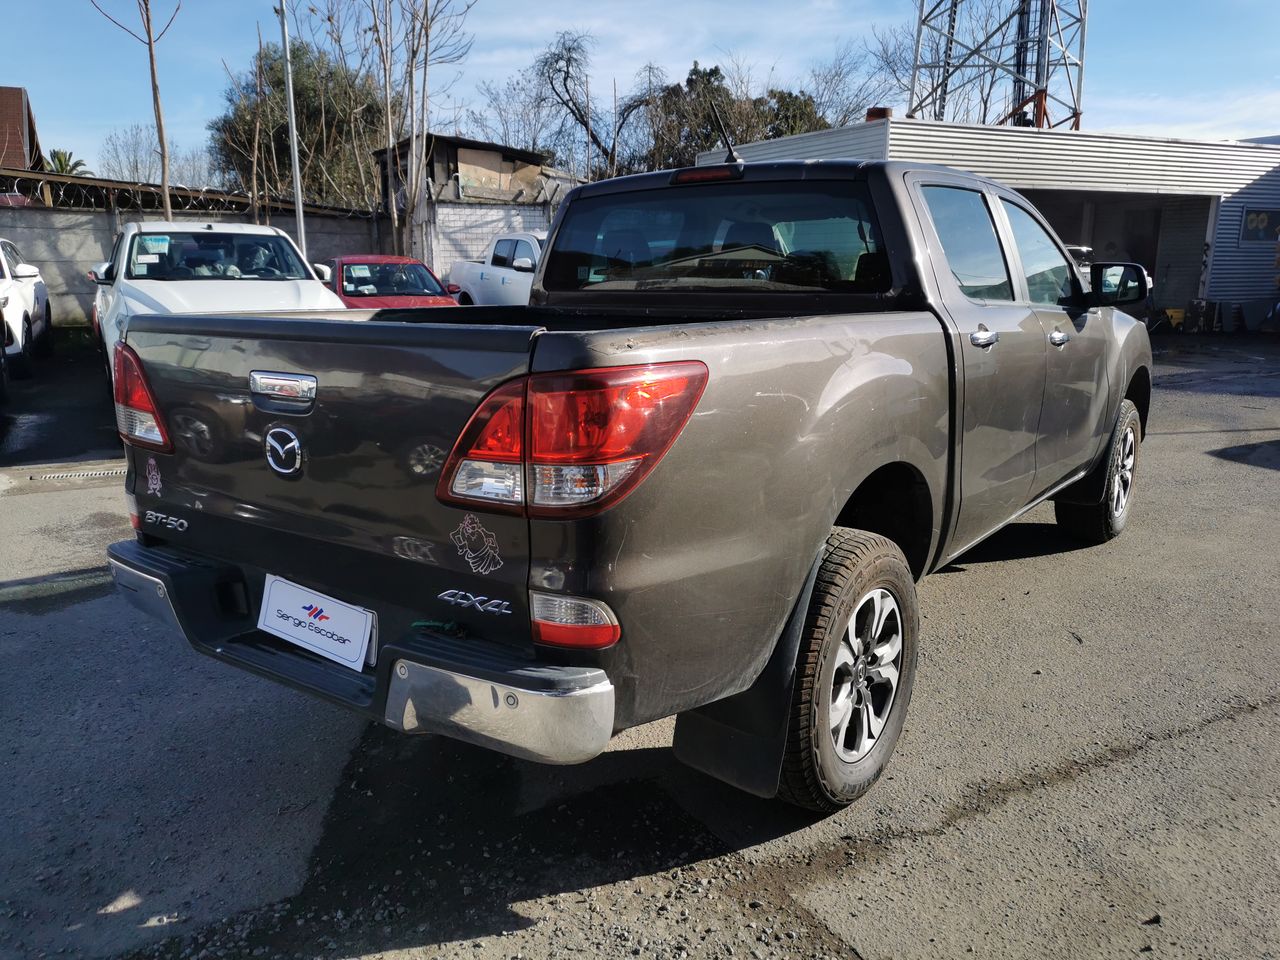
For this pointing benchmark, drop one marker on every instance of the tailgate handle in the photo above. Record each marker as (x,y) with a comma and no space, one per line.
(284,386)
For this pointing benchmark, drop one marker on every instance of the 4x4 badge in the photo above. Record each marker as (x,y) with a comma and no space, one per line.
(476,545)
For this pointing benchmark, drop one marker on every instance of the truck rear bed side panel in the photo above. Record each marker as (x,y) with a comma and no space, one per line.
(705,559)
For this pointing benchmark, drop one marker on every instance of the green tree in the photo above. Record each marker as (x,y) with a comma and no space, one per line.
(61,161)
(339,115)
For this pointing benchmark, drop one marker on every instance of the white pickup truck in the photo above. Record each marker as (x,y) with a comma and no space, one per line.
(504,275)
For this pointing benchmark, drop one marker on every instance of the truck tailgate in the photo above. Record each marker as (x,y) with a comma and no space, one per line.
(352,509)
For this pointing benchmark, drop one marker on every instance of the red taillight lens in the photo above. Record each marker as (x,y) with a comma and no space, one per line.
(564,621)
(137,416)
(563,444)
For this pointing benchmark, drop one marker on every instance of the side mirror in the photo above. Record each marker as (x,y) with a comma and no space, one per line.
(452,289)
(25,271)
(523,264)
(323,272)
(102,274)
(1118,284)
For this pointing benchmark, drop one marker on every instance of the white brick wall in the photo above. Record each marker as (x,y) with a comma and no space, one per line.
(462,231)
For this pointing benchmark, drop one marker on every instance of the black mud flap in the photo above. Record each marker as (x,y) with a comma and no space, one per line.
(741,739)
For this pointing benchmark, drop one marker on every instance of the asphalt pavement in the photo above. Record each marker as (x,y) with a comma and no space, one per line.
(1090,768)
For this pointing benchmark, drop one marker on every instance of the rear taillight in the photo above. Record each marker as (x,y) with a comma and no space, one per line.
(137,416)
(568,444)
(572,621)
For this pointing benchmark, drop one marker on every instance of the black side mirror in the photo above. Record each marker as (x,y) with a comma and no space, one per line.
(1118,284)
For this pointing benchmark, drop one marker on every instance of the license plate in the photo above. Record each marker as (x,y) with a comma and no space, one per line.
(316,622)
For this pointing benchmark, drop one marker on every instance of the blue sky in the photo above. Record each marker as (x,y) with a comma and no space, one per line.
(1162,67)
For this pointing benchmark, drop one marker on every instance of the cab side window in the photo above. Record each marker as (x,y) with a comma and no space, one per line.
(968,235)
(1047,271)
(502,253)
(523,249)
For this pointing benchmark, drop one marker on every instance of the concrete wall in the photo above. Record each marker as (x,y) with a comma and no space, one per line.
(65,244)
(462,231)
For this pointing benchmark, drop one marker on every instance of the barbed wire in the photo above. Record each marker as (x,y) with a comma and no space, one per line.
(31,189)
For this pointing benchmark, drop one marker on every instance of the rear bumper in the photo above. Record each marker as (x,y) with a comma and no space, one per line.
(465,689)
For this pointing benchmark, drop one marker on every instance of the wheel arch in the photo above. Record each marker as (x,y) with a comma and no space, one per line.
(895,501)
(1139,392)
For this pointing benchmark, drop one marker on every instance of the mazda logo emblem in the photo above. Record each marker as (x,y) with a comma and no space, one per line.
(284,451)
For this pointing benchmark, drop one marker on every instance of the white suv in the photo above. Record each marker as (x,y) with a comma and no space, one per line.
(24,305)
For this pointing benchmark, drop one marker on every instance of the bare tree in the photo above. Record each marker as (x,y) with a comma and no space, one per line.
(565,70)
(409,37)
(518,113)
(149,38)
(844,86)
(130,153)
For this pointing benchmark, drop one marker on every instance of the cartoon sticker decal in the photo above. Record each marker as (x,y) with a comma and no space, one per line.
(477,545)
(154,487)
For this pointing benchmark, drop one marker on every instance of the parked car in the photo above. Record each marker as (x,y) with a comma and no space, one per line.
(373,281)
(192,267)
(24,306)
(504,275)
(749,406)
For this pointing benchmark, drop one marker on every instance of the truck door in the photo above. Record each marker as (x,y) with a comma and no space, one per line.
(1002,354)
(1076,382)
(493,279)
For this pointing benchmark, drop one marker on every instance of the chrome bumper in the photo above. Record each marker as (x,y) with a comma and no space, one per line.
(550,726)
(147,593)
(537,712)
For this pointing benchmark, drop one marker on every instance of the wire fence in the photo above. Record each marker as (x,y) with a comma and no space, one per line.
(23,188)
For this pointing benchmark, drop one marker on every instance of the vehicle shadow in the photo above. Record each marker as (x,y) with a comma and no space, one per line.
(63,413)
(1264,454)
(430,842)
(1017,541)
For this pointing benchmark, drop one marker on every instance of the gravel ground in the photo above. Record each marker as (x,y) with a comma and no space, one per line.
(1090,768)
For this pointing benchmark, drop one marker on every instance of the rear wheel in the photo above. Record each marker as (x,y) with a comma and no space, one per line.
(44,344)
(22,367)
(464,300)
(1096,523)
(854,672)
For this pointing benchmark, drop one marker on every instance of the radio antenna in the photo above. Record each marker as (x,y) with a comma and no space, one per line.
(732,156)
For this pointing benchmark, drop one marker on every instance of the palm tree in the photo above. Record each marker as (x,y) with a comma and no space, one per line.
(61,161)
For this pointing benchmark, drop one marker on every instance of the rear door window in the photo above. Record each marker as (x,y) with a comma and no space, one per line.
(502,253)
(969,242)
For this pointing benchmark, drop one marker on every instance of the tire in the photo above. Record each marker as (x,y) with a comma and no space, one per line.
(1095,523)
(21,365)
(858,572)
(44,345)
(464,300)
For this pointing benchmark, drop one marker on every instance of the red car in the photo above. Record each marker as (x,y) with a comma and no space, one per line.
(375,281)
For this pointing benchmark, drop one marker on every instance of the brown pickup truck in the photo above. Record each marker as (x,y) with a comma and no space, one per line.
(747,408)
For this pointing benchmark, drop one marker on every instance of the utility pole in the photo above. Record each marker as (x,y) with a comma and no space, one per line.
(293,128)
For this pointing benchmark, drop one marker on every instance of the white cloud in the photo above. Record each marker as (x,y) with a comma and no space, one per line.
(1225,115)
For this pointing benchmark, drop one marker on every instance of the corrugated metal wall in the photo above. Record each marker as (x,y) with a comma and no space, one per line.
(1075,160)
(1245,270)
(1181,251)
(1243,174)
(862,141)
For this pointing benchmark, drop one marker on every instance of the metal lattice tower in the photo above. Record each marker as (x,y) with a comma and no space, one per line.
(1016,62)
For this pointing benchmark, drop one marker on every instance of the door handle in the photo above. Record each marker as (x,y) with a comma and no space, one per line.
(982,337)
(1058,338)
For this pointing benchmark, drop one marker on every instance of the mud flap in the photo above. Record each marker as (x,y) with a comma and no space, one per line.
(741,739)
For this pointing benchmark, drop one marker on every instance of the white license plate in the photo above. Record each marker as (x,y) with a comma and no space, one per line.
(319,623)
